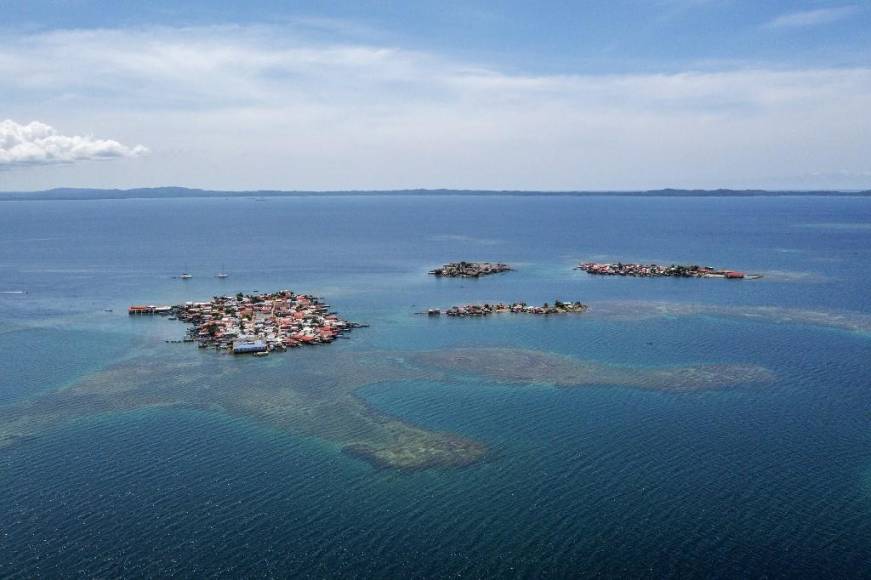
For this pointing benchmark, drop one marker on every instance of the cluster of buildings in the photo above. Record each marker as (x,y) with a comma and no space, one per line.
(257,323)
(470,269)
(658,271)
(261,323)
(558,307)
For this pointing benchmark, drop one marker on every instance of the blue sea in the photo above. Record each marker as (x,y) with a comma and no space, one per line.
(744,480)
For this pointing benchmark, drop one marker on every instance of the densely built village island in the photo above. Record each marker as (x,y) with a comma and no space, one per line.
(256,323)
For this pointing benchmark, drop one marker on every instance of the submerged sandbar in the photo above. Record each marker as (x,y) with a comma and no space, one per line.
(317,395)
(520,366)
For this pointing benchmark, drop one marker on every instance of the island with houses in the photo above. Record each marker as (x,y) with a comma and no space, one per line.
(662,271)
(255,323)
(475,310)
(469,269)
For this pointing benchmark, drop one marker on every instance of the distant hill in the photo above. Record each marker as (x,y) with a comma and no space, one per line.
(183,192)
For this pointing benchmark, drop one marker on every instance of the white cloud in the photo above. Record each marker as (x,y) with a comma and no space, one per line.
(809,18)
(40,144)
(252,107)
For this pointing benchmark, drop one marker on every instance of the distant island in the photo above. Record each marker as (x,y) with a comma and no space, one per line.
(476,310)
(660,271)
(469,269)
(72,194)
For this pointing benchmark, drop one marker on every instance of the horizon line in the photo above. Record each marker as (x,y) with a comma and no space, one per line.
(168,192)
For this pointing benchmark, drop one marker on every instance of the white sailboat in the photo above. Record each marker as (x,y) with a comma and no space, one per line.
(223,273)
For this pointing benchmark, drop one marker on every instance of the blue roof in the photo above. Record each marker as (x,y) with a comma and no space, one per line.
(253,346)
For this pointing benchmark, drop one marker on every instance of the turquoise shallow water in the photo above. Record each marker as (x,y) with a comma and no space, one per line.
(764,479)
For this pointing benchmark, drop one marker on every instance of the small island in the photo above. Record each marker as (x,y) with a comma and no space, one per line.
(660,271)
(470,269)
(255,323)
(473,310)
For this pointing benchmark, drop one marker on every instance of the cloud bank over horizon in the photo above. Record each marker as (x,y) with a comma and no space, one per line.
(250,107)
(39,144)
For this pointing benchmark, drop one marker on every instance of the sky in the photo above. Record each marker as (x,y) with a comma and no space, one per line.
(366,94)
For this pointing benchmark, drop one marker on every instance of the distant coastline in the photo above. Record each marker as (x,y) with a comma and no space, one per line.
(84,194)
